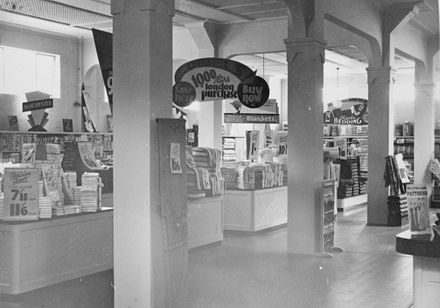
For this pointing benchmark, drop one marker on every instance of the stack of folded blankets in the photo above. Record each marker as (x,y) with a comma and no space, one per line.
(229,174)
(229,152)
(203,173)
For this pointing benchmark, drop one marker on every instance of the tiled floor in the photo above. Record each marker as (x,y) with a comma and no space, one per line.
(256,271)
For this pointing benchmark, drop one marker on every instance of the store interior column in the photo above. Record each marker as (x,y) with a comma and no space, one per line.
(424,113)
(210,119)
(380,141)
(145,275)
(305,159)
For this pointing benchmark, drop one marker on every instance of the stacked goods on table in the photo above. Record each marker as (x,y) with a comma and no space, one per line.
(2,205)
(203,173)
(44,203)
(254,176)
(90,192)
(68,181)
(349,178)
(396,177)
(228,151)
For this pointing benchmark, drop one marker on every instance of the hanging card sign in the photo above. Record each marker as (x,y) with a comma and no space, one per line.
(251,118)
(418,211)
(354,111)
(210,79)
(21,193)
(104,49)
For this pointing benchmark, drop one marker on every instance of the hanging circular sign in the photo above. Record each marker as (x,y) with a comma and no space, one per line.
(183,94)
(253,94)
(210,79)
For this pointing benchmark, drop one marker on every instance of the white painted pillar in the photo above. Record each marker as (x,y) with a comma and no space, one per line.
(424,112)
(142,63)
(305,163)
(210,113)
(380,141)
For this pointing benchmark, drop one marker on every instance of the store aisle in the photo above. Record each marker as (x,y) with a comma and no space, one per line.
(256,271)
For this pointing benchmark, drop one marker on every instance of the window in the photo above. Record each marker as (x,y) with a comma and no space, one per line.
(23,71)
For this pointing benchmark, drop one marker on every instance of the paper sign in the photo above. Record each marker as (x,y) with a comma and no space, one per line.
(175,163)
(252,142)
(21,193)
(418,209)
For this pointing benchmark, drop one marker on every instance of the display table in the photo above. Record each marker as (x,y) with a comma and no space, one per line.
(36,254)
(426,267)
(254,210)
(205,221)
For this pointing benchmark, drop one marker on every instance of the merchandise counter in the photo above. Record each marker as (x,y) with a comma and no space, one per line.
(426,267)
(35,254)
(205,221)
(254,210)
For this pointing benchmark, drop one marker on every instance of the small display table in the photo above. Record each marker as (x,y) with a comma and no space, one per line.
(254,210)
(426,267)
(35,254)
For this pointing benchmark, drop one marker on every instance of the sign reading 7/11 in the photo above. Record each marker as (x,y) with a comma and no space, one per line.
(21,193)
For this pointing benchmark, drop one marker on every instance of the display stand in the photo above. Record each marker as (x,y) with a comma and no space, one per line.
(205,221)
(327,225)
(40,253)
(254,210)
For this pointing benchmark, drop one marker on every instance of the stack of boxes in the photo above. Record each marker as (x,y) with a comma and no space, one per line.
(397,210)
(349,180)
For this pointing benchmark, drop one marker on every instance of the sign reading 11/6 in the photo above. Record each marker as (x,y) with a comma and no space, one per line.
(21,193)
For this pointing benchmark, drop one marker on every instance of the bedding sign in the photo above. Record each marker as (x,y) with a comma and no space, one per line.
(210,79)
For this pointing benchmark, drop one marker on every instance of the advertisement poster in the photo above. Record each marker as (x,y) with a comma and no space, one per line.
(281,139)
(175,163)
(252,142)
(418,211)
(104,49)
(28,152)
(210,79)
(21,193)
(354,111)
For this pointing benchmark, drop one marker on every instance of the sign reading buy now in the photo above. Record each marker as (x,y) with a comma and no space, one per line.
(210,79)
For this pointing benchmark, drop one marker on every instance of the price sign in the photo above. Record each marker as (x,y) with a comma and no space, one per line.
(21,193)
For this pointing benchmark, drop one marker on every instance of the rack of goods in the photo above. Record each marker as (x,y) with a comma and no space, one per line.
(255,196)
(352,186)
(205,186)
(396,176)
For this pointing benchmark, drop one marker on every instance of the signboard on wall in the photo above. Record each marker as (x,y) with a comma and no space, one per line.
(210,79)
(38,104)
(354,111)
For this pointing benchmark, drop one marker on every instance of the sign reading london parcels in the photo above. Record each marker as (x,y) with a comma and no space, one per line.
(38,104)
(213,79)
(251,118)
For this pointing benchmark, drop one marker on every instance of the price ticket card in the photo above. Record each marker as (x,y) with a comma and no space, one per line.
(21,193)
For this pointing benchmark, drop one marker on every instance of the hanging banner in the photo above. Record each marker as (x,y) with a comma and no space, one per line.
(21,193)
(104,49)
(210,79)
(354,111)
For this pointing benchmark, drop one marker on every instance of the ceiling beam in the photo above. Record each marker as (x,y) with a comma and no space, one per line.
(234,6)
(213,7)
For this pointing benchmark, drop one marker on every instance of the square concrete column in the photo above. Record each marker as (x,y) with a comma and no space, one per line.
(305,162)
(142,84)
(424,112)
(380,141)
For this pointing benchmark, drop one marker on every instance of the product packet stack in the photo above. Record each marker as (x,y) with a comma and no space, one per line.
(89,192)
(2,206)
(44,203)
(69,184)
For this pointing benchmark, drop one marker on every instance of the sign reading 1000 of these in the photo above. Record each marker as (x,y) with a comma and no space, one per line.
(211,79)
